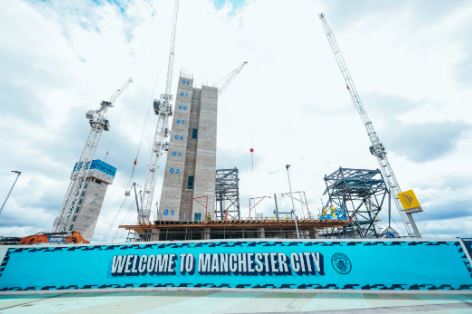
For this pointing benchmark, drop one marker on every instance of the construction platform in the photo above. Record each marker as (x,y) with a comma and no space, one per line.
(232,229)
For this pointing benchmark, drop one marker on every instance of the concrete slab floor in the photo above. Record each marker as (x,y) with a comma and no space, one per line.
(233,302)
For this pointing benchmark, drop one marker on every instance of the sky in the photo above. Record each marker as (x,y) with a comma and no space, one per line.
(411,62)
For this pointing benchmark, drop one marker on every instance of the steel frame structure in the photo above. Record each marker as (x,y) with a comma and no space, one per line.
(361,193)
(227,194)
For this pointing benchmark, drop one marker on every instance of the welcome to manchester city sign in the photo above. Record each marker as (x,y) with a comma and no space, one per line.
(219,264)
(348,265)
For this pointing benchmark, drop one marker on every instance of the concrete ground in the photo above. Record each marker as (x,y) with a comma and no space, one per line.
(233,302)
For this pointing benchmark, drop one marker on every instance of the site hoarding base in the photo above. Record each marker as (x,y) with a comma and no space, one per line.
(387,266)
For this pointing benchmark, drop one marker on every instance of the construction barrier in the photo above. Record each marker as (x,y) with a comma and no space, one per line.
(348,265)
(468,246)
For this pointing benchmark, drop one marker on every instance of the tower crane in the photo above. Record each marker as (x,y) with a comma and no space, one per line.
(225,81)
(376,148)
(160,144)
(98,124)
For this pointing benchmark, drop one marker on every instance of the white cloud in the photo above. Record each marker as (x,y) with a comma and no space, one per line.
(289,103)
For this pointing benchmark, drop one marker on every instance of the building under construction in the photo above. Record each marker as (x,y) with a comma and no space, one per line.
(358,195)
(226,222)
(89,200)
(233,229)
(188,190)
(199,202)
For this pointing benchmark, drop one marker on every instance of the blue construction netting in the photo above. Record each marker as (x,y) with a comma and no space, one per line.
(99,165)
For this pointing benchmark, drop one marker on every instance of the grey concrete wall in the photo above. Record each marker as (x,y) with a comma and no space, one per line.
(171,194)
(205,166)
(198,158)
(186,213)
(85,219)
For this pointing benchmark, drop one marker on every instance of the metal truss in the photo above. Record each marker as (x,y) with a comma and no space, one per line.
(361,193)
(227,194)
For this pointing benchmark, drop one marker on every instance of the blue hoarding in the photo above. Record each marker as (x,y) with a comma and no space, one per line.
(468,245)
(99,165)
(257,264)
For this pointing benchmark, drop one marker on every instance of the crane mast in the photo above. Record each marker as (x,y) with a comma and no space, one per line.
(376,148)
(162,108)
(98,124)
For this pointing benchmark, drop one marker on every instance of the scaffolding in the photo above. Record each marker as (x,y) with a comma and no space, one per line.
(227,194)
(360,194)
(300,198)
(254,202)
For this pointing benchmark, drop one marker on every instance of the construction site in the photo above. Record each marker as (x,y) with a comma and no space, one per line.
(197,201)
(200,235)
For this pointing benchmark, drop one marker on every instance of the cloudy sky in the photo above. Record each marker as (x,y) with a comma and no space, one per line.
(410,60)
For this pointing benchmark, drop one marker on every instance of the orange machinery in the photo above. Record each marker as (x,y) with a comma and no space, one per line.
(73,237)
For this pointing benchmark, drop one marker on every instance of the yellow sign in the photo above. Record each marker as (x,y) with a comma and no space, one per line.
(409,200)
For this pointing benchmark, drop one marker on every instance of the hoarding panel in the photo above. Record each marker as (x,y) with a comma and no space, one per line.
(325,265)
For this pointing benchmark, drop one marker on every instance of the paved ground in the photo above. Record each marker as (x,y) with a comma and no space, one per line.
(234,302)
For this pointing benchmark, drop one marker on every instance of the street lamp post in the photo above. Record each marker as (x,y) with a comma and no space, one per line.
(287,166)
(11,189)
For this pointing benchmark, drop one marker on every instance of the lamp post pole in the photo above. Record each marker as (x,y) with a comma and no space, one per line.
(18,173)
(287,166)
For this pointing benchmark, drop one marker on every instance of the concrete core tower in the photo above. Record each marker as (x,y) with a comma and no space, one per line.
(85,215)
(188,192)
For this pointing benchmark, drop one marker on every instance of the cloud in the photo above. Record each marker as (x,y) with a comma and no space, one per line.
(425,141)
(454,208)
(402,128)
(389,107)
(449,228)
(464,70)
(425,12)
(228,159)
